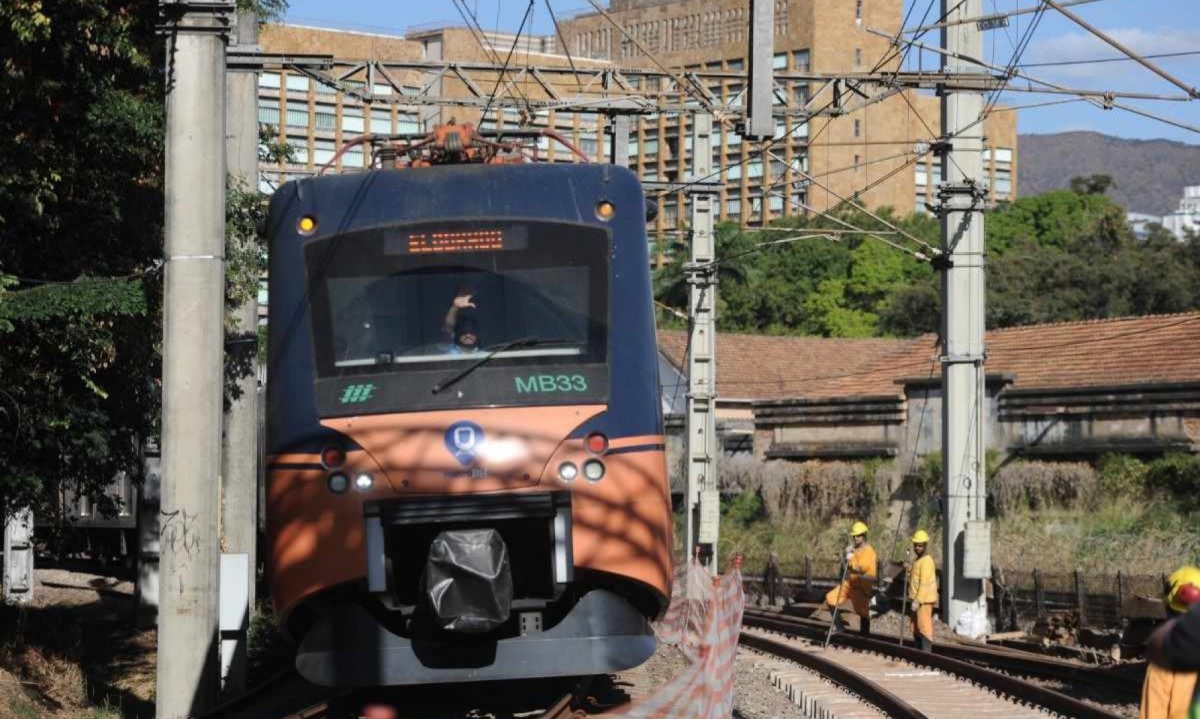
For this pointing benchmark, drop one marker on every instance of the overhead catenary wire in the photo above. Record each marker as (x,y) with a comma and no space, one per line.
(887,57)
(1097,32)
(563,40)
(680,81)
(1098,60)
(507,60)
(1022,46)
(477,31)
(1010,72)
(1105,100)
(942,23)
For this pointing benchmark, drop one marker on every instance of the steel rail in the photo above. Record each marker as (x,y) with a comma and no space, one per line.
(866,689)
(1007,658)
(939,659)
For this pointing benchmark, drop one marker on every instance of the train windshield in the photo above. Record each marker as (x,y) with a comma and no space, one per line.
(423,301)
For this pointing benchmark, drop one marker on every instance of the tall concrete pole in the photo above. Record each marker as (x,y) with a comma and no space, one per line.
(703,498)
(961,204)
(239,475)
(193,328)
(759,124)
(618,141)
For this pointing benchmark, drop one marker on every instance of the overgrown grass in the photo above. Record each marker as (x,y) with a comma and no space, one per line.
(1135,536)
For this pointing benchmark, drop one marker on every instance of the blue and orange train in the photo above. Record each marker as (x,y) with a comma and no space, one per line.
(466,477)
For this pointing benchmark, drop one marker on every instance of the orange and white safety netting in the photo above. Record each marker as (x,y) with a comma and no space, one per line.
(703,621)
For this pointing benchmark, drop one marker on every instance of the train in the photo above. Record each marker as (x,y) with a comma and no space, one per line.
(466,476)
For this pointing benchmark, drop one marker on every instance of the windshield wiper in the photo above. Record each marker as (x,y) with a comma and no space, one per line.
(523,342)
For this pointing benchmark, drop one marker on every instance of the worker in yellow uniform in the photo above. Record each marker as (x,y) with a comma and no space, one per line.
(859,578)
(922,592)
(1168,694)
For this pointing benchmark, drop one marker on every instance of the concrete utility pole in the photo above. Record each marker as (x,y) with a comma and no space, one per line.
(193,327)
(618,140)
(759,124)
(18,557)
(703,497)
(239,475)
(966,547)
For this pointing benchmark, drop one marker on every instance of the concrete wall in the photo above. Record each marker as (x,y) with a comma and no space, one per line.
(1078,423)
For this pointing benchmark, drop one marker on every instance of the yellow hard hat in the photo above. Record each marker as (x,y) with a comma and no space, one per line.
(857,528)
(1184,588)
(920,537)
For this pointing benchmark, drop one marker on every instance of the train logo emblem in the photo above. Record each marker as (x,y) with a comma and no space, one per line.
(462,439)
(355,393)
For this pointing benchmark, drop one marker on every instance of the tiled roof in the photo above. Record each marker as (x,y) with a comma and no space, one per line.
(768,367)
(1129,350)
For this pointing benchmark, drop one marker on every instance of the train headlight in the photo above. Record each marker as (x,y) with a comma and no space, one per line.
(306,225)
(337,483)
(567,471)
(363,482)
(593,469)
(605,210)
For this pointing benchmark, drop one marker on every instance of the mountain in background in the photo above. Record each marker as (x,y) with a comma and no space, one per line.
(1149,174)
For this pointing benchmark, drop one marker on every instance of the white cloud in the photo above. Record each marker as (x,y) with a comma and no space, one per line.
(1079,45)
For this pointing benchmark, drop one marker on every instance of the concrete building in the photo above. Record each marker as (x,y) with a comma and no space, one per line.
(811,166)
(1187,217)
(1063,391)
(868,148)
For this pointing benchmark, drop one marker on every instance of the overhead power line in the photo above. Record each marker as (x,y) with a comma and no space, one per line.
(507,60)
(1094,61)
(992,17)
(1191,91)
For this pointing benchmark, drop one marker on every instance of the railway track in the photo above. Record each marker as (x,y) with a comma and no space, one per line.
(1006,659)
(900,681)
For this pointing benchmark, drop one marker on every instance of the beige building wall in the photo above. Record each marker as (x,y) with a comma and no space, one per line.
(871,148)
(811,166)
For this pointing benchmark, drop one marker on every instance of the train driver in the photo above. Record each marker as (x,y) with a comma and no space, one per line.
(460,323)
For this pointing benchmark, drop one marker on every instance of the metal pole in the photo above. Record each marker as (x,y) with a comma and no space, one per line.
(703,498)
(239,460)
(193,327)
(961,207)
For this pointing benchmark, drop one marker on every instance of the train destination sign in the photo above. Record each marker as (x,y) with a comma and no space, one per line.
(433,241)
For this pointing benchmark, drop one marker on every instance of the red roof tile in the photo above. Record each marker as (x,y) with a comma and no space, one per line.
(768,367)
(1129,350)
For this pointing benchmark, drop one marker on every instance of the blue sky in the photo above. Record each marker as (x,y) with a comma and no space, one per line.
(1148,26)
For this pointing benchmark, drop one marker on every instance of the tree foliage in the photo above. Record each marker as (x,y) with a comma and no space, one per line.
(1063,255)
(81,125)
(81,236)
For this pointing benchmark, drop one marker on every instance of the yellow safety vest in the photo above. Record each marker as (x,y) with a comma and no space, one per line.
(863,564)
(922,582)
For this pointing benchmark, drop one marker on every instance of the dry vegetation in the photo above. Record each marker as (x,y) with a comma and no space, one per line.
(1122,514)
(74,654)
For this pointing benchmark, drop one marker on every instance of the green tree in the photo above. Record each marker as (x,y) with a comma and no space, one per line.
(670,283)
(81,141)
(81,227)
